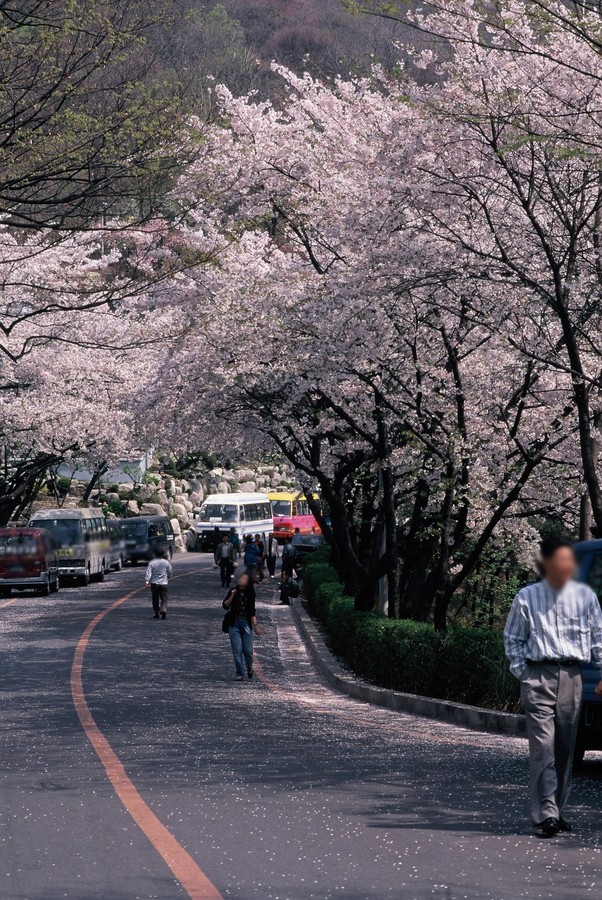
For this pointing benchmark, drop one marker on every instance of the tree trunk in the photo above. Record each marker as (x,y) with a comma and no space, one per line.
(97,474)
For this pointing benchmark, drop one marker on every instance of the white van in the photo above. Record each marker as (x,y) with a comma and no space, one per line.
(245,513)
(82,540)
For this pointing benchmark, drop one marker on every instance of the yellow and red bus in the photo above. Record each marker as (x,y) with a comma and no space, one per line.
(290,510)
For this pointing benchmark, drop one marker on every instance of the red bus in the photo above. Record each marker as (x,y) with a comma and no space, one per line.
(291,510)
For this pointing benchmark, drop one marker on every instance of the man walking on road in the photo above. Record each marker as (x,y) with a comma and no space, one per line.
(553,626)
(225,558)
(158,573)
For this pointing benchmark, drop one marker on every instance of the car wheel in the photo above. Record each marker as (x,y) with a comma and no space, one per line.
(54,585)
(118,565)
(5,592)
(84,580)
(100,576)
(46,588)
(170,553)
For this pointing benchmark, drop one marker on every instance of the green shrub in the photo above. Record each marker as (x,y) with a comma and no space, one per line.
(113,489)
(466,665)
(117,507)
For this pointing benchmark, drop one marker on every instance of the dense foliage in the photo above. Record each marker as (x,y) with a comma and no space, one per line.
(467,665)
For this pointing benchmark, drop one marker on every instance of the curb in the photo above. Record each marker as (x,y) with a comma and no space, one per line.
(473,717)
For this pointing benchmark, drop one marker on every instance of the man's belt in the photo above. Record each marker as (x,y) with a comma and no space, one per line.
(565,663)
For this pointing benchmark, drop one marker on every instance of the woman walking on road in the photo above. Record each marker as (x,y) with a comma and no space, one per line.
(242,622)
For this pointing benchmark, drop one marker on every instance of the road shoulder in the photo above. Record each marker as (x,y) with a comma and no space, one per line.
(340,679)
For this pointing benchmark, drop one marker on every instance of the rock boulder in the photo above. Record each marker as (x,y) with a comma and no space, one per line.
(132,508)
(248,487)
(152,509)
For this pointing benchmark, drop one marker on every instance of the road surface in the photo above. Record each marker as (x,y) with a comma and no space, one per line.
(133,766)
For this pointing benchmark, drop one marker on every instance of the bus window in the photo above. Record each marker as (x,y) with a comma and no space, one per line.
(281,508)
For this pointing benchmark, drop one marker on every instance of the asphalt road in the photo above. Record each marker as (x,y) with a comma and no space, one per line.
(279,789)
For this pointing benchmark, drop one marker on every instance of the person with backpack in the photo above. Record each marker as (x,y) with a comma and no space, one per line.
(225,559)
(251,558)
(288,588)
(272,554)
(288,558)
(158,573)
(241,621)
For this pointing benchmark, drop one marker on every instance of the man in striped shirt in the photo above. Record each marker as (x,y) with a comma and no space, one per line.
(553,627)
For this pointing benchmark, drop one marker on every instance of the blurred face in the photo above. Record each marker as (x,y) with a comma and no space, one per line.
(243,581)
(560,567)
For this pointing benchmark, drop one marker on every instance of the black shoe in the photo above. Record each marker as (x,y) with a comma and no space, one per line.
(251,673)
(163,615)
(239,678)
(156,616)
(550,827)
(564,826)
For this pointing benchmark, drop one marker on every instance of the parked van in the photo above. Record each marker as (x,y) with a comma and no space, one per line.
(82,540)
(117,539)
(220,513)
(589,737)
(28,561)
(144,534)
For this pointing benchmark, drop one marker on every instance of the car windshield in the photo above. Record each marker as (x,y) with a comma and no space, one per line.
(19,544)
(310,540)
(135,529)
(66,532)
(219,512)
(281,507)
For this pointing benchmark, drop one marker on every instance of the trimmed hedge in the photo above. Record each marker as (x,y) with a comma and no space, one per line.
(466,665)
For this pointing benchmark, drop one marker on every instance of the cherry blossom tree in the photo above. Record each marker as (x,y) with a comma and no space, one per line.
(346,333)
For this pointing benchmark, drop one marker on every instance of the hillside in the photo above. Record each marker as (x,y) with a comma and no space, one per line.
(235,41)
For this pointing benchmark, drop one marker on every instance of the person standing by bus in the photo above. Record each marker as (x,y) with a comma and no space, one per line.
(242,623)
(234,540)
(225,558)
(251,558)
(272,554)
(288,558)
(261,546)
(158,573)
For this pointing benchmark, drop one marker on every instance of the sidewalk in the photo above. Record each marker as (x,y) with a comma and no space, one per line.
(445,710)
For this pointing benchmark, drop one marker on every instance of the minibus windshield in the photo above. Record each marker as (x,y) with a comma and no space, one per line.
(281,507)
(66,532)
(135,529)
(219,512)
(21,544)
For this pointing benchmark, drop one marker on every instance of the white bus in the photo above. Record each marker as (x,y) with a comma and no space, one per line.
(220,513)
(82,539)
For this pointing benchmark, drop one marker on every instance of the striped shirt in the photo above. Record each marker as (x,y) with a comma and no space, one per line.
(550,623)
(158,571)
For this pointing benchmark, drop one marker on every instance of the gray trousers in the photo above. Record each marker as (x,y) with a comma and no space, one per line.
(551,698)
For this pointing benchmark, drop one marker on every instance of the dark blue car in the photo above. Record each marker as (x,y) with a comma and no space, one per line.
(589,554)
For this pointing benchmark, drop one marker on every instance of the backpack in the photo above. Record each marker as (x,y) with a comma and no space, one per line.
(251,556)
(293,589)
